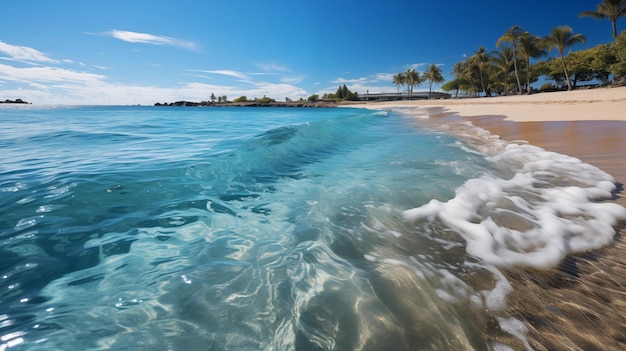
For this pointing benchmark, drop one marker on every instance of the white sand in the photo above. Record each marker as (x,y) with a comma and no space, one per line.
(607,104)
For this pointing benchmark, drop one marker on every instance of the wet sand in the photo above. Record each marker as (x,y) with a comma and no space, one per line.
(580,305)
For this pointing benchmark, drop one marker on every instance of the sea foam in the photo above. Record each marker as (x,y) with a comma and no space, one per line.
(549,206)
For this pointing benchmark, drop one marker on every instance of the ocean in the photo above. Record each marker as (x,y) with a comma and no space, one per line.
(173,228)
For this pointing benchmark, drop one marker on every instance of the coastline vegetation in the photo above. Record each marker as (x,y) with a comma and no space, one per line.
(516,63)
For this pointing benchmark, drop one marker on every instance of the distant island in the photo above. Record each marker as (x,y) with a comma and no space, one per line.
(341,97)
(254,104)
(16,101)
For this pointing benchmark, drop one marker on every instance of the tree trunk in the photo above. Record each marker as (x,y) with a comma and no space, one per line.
(569,84)
(528,88)
(519,85)
(482,81)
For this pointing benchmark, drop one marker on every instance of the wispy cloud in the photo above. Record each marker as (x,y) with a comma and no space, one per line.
(33,75)
(273,67)
(349,81)
(384,76)
(417,66)
(145,38)
(292,79)
(229,73)
(24,54)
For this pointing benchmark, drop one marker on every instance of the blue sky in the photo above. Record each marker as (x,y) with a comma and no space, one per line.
(147,51)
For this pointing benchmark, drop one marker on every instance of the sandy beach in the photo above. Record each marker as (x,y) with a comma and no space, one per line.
(581,304)
(588,124)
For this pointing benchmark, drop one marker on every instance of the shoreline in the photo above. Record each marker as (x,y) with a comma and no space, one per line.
(587,124)
(576,105)
(579,305)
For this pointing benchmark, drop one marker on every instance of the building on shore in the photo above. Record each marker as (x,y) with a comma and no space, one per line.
(420,95)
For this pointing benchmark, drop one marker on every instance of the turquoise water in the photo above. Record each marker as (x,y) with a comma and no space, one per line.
(160,228)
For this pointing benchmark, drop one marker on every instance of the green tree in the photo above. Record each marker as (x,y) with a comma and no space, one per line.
(602,57)
(530,46)
(471,75)
(561,38)
(512,35)
(608,9)
(264,100)
(348,94)
(339,93)
(241,99)
(413,79)
(343,93)
(457,73)
(551,68)
(480,59)
(313,98)
(619,67)
(212,97)
(433,75)
(399,80)
(503,62)
(579,67)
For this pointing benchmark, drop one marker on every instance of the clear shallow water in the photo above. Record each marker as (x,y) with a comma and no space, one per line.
(274,229)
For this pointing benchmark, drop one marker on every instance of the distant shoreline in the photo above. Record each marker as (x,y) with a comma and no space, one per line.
(575,105)
(323,104)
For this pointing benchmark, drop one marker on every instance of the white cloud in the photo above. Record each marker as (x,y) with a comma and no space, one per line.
(349,81)
(145,38)
(273,67)
(229,73)
(24,54)
(49,85)
(292,79)
(46,75)
(417,66)
(387,77)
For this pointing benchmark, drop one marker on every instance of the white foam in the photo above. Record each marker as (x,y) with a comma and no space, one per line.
(546,210)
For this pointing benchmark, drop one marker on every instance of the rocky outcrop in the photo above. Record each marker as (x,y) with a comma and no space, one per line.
(16,101)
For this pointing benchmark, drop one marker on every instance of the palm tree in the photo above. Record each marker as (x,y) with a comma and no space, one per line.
(433,75)
(611,9)
(530,46)
(503,60)
(399,80)
(457,72)
(512,35)
(413,79)
(470,74)
(562,37)
(481,58)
